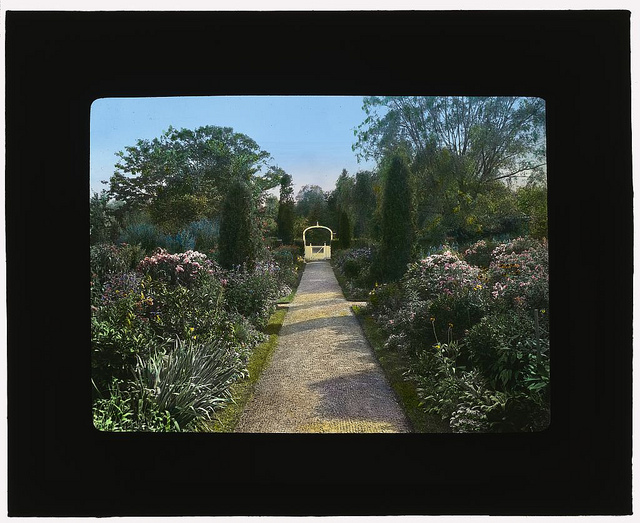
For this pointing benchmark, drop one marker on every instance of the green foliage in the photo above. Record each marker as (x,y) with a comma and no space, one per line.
(242,390)
(364,204)
(105,259)
(286,210)
(479,253)
(488,137)
(119,330)
(184,175)
(532,202)
(459,150)
(495,211)
(492,372)
(146,235)
(504,347)
(103,225)
(344,231)
(397,222)
(238,232)
(199,162)
(174,209)
(311,205)
(354,268)
(253,292)
(127,409)
(191,380)
(289,260)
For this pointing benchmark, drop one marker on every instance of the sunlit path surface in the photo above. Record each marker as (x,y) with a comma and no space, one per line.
(323,376)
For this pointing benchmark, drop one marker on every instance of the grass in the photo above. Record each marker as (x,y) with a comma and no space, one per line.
(242,390)
(394,365)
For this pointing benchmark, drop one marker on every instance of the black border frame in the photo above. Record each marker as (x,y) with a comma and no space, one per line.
(57,63)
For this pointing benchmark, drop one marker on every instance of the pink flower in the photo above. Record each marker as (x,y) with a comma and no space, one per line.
(179,268)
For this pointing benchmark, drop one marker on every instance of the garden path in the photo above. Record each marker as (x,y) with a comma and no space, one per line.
(323,376)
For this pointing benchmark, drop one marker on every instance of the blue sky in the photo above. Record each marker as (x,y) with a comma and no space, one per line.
(310,137)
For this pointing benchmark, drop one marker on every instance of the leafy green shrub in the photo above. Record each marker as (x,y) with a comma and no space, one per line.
(532,201)
(289,262)
(356,266)
(238,230)
(344,230)
(105,259)
(119,329)
(147,235)
(440,385)
(206,233)
(190,381)
(253,292)
(397,221)
(479,254)
(504,347)
(458,312)
(103,225)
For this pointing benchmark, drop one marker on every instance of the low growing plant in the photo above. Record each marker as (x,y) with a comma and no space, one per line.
(190,381)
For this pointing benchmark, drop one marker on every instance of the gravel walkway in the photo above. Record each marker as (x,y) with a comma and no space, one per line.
(323,376)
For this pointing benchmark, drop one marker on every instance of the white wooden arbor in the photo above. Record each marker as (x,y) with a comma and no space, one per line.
(316,252)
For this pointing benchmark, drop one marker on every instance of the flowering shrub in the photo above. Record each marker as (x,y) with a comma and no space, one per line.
(253,293)
(183,268)
(119,330)
(182,316)
(441,274)
(516,246)
(519,276)
(289,262)
(479,254)
(492,374)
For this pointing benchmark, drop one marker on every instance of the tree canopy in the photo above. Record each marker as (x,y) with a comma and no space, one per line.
(184,174)
(487,138)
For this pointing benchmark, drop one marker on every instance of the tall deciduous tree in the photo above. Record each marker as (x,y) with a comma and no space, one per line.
(397,221)
(489,138)
(185,173)
(238,231)
(311,204)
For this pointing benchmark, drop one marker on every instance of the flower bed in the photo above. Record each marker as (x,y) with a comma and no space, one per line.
(477,335)
(175,313)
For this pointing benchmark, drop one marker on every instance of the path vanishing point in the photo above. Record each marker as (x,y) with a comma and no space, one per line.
(323,376)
